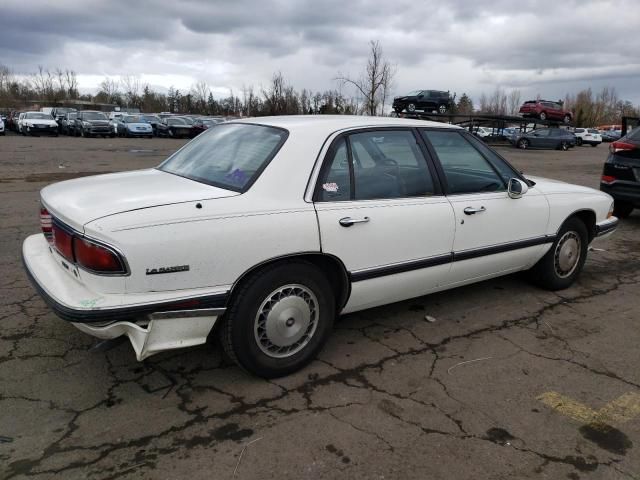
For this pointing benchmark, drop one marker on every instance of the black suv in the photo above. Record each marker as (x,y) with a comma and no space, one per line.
(91,122)
(621,174)
(426,100)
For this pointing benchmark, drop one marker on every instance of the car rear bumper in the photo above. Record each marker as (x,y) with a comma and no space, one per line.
(624,191)
(153,321)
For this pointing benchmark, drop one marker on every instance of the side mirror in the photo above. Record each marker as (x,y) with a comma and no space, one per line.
(517,188)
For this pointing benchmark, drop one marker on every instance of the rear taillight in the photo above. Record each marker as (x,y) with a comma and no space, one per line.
(96,258)
(63,241)
(45,224)
(620,146)
(608,179)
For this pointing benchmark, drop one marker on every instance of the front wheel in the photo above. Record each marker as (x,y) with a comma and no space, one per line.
(578,141)
(543,115)
(279,319)
(523,143)
(411,108)
(594,144)
(442,109)
(564,146)
(567,119)
(562,264)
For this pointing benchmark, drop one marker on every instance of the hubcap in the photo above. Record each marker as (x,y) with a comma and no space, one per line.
(411,107)
(567,254)
(443,109)
(286,321)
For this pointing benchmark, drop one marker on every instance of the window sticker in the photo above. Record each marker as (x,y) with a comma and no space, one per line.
(237,176)
(330,187)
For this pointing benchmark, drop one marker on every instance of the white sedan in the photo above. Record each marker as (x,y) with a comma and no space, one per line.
(269,228)
(37,123)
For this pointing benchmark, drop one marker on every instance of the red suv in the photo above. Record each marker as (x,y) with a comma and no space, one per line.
(545,110)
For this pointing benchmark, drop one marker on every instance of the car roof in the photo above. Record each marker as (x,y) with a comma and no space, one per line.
(332,123)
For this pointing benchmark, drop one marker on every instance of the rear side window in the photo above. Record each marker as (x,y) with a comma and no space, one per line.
(581,130)
(465,169)
(381,164)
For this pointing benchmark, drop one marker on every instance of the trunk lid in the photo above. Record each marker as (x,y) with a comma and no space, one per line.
(82,200)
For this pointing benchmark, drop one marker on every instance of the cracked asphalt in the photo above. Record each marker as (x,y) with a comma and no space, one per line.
(393,395)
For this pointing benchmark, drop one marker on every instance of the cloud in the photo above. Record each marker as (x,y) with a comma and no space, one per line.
(546,47)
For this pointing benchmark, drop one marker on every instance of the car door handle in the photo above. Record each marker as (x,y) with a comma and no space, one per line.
(348,221)
(473,211)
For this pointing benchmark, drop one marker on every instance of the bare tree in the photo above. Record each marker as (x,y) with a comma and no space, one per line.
(200,92)
(111,89)
(132,87)
(514,101)
(375,84)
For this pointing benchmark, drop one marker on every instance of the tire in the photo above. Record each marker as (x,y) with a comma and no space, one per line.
(594,144)
(523,143)
(578,141)
(543,115)
(442,109)
(411,107)
(622,209)
(564,146)
(244,333)
(567,118)
(562,264)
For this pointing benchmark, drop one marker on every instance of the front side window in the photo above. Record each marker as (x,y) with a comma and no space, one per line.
(230,155)
(383,164)
(465,169)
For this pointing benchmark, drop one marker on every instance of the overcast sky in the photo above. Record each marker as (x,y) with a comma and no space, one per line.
(546,47)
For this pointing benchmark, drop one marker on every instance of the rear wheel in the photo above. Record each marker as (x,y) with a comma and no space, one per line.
(523,143)
(279,319)
(564,146)
(594,144)
(411,108)
(567,118)
(543,115)
(578,141)
(562,264)
(442,109)
(622,209)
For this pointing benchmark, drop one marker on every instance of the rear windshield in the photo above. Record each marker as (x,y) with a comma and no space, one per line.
(228,155)
(176,121)
(634,134)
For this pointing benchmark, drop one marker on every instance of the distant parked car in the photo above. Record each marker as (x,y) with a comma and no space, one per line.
(152,120)
(587,136)
(554,138)
(133,126)
(202,124)
(425,100)
(610,135)
(1,126)
(37,123)
(67,124)
(59,113)
(545,110)
(621,174)
(12,120)
(483,132)
(91,122)
(114,118)
(175,127)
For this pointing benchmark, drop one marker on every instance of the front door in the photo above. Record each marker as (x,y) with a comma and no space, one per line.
(495,234)
(381,212)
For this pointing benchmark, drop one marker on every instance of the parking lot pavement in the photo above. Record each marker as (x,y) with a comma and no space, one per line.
(502,380)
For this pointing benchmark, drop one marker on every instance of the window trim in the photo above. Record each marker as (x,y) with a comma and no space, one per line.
(326,164)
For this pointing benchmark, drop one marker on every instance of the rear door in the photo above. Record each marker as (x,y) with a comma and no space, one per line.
(495,234)
(382,213)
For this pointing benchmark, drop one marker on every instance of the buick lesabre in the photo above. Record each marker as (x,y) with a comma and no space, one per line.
(269,228)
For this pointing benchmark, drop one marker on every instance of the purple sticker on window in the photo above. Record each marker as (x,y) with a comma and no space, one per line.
(237,176)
